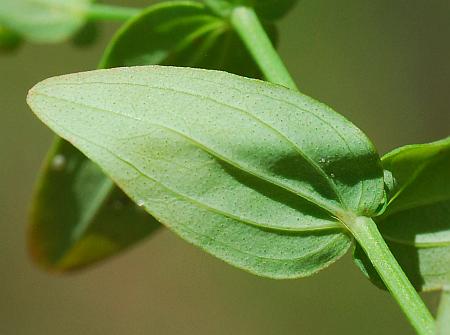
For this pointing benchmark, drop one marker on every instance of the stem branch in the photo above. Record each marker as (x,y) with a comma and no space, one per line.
(366,233)
(443,316)
(111,13)
(247,25)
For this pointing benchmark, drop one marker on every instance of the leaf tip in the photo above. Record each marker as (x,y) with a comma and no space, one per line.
(32,92)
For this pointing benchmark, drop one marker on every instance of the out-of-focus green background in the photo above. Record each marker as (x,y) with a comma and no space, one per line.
(384,64)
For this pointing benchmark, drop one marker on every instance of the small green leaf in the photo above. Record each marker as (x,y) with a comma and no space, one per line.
(43,21)
(253,173)
(180,33)
(416,221)
(78,216)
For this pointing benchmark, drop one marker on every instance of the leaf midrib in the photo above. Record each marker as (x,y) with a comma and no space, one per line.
(89,215)
(330,125)
(186,197)
(277,259)
(335,212)
(317,167)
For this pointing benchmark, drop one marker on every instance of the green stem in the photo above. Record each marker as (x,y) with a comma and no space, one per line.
(111,13)
(247,25)
(366,233)
(443,316)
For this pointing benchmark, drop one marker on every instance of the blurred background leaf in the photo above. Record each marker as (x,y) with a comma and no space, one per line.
(383,64)
(9,41)
(44,21)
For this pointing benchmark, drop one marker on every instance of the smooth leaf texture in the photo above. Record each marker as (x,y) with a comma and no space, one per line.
(180,33)
(162,33)
(44,21)
(253,173)
(416,222)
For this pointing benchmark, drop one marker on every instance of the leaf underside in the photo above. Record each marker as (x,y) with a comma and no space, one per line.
(253,173)
(416,222)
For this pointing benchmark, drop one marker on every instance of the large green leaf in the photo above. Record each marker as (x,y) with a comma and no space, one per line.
(60,227)
(416,221)
(253,173)
(44,21)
